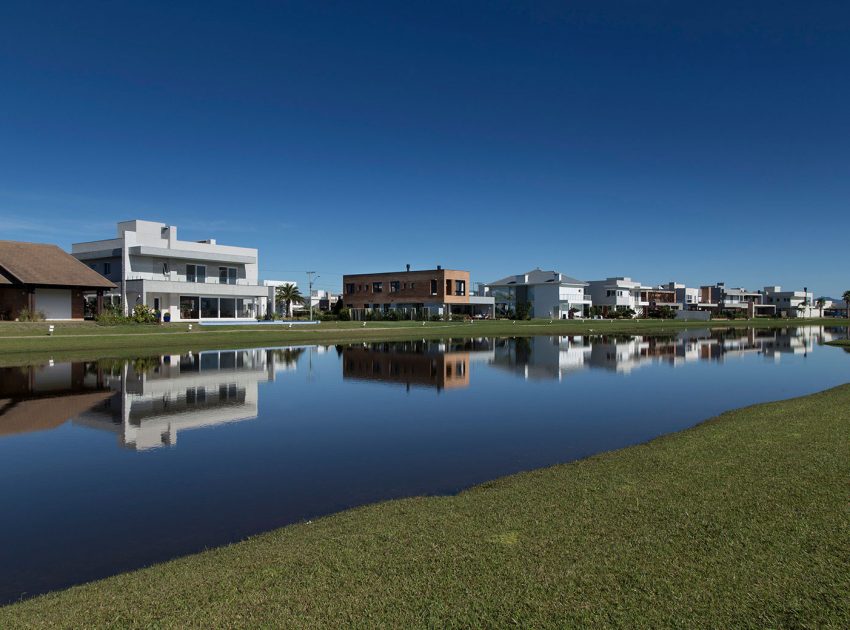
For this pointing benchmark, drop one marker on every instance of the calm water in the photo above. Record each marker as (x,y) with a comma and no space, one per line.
(107,466)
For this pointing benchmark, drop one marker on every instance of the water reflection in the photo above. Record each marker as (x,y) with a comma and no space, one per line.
(147,402)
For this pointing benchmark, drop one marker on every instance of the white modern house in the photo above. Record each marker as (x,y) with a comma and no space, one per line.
(271,287)
(620,292)
(187,280)
(792,303)
(550,294)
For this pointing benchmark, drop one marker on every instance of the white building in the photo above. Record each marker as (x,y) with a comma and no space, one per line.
(185,280)
(550,294)
(618,293)
(792,303)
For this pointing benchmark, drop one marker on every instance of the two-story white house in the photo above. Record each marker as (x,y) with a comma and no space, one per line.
(549,293)
(185,280)
(618,293)
(792,303)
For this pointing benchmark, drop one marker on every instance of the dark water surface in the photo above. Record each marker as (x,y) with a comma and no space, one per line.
(110,465)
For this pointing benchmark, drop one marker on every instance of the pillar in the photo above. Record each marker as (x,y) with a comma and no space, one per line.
(99,307)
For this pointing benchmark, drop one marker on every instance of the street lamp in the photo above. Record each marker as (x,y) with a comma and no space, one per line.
(310,291)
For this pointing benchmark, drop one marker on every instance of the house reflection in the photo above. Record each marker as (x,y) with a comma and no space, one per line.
(145,402)
(443,364)
(554,357)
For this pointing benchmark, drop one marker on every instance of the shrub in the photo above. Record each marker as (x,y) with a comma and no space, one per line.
(344,314)
(523,310)
(26,315)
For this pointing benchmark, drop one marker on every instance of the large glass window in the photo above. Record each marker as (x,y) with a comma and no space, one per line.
(227,307)
(460,287)
(377,287)
(433,287)
(189,307)
(209,307)
(394,286)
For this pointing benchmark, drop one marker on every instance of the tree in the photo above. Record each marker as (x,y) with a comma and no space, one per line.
(820,303)
(846,298)
(288,294)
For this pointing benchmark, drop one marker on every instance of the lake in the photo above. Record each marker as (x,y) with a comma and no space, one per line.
(110,465)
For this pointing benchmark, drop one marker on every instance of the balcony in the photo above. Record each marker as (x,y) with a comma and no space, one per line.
(212,287)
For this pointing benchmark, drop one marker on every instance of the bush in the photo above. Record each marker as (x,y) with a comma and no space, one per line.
(523,310)
(144,314)
(344,315)
(26,315)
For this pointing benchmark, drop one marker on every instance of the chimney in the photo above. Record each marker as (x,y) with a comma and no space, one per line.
(439,267)
(408,268)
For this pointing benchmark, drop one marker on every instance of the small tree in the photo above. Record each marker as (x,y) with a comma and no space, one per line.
(523,309)
(846,298)
(288,294)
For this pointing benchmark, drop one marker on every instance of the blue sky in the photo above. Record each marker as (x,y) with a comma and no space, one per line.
(696,142)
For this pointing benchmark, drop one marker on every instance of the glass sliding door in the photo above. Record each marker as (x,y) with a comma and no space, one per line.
(227,307)
(189,307)
(209,307)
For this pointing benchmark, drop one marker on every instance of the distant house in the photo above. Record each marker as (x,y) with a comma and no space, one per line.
(189,280)
(548,293)
(736,299)
(409,294)
(618,293)
(792,303)
(41,278)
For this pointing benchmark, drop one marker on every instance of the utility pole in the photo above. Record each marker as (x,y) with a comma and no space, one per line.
(310,291)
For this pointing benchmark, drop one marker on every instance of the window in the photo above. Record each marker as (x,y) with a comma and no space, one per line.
(377,287)
(460,287)
(227,307)
(448,287)
(93,267)
(165,268)
(209,307)
(107,268)
(412,286)
(394,286)
(196,273)
(349,288)
(433,287)
(227,275)
(189,307)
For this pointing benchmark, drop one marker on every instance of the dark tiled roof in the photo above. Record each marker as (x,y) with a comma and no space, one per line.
(43,264)
(538,276)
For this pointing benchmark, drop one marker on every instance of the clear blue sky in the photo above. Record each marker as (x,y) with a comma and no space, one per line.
(685,141)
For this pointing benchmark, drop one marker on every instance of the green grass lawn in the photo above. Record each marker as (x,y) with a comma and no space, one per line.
(29,343)
(743,521)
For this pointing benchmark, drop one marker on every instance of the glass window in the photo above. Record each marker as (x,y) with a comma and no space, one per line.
(377,287)
(189,307)
(107,268)
(349,288)
(227,307)
(448,287)
(433,287)
(460,287)
(227,275)
(394,286)
(190,273)
(209,307)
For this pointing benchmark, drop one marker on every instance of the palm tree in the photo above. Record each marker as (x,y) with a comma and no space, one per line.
(846,298)
(820,303)
(288,294)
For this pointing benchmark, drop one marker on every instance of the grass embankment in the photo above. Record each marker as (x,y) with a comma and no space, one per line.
(28,343)
(740,522)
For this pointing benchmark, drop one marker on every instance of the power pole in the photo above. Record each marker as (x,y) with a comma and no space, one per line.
(310,291)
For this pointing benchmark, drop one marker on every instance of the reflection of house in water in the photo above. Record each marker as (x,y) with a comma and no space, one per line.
(44,397)
(542,357)
(156,398)
(554,357)
(440,364)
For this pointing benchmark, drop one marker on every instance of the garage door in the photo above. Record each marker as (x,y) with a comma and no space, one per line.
(54,303)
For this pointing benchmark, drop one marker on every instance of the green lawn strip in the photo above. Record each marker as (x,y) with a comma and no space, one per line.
(89,341)
(742,521)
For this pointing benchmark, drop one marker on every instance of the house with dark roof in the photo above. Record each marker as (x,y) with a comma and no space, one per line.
(41,278)
(548,294)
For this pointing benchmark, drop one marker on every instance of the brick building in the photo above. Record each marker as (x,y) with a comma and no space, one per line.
(413,294)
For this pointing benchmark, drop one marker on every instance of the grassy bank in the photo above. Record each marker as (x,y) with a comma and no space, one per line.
(741,521)
(28,343)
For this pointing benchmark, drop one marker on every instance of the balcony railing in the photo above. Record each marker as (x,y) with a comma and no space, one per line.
(165,278)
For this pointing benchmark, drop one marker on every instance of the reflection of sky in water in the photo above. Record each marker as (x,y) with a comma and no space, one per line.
(107,466)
